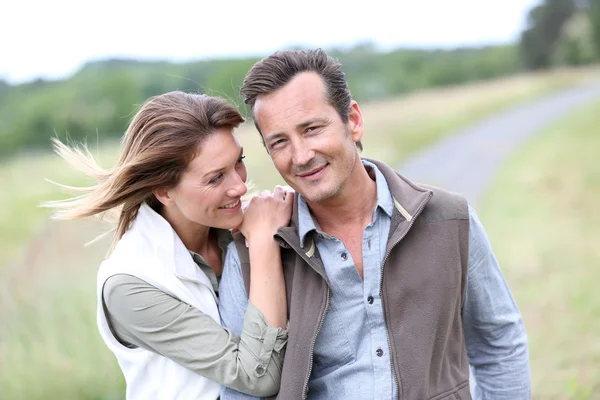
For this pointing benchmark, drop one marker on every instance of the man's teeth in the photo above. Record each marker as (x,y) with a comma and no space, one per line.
(232,205)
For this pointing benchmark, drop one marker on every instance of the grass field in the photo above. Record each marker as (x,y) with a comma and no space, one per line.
(49,347)
(25,188)
(542,216)
(49,344)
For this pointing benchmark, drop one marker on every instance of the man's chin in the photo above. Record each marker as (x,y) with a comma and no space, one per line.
(317,196)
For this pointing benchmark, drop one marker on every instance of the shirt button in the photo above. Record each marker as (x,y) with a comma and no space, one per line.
(379,352)
(260,370)
(370,299)
(344,256)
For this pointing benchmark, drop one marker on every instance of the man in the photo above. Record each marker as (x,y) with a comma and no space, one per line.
(393,289)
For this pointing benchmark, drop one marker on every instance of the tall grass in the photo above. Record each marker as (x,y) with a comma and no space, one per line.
(542,216)
(24,187)
(49,346)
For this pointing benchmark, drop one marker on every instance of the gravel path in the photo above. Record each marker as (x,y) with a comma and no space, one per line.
(466,161)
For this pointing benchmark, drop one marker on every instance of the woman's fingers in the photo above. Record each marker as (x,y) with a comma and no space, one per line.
(288,197)
(279,193)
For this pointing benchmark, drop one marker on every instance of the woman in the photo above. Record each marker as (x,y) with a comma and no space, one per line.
(177,191)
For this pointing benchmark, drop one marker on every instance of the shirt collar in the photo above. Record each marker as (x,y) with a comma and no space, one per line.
(224,237)
(385,202)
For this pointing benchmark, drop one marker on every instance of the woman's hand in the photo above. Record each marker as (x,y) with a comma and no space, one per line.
(263,216)
(266,213)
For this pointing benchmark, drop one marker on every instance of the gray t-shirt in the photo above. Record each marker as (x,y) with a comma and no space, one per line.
(141,315)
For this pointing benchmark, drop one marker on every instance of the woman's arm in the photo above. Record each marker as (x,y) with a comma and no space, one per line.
(264,215)
(233,304)
(143,316)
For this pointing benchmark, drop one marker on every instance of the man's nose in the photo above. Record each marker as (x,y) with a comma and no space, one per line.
(302,154)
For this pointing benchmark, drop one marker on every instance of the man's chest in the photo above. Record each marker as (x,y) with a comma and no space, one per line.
(353,339)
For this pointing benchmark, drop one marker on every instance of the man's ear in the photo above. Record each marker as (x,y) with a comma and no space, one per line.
(355,121)
(164,196)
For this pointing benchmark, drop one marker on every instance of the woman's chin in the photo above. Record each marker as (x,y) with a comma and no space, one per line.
(232,222)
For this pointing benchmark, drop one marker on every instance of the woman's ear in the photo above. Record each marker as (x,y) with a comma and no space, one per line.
(164,196)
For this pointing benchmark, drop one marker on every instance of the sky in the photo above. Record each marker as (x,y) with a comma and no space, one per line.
(51,39)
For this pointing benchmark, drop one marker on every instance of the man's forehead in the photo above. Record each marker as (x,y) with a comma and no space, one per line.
(302,96)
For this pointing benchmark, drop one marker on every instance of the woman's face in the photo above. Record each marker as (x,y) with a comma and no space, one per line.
(209,192)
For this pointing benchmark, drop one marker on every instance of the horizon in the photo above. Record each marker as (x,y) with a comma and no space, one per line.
(150,60)
(61,37)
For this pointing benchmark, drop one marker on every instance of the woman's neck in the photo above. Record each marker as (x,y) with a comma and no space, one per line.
(195,237)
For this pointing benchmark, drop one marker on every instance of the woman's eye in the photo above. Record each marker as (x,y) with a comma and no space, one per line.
(241,159)
(216,179)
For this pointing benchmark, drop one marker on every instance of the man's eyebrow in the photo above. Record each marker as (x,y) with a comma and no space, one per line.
(215,170)
(274,136)
(311,121)
(300,126)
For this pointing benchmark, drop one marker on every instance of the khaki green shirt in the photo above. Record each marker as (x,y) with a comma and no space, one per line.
(140,315)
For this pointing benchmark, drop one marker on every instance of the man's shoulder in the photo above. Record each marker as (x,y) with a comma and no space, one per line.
(445,205)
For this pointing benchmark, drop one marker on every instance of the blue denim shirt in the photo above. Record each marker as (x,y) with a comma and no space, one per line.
(351,361)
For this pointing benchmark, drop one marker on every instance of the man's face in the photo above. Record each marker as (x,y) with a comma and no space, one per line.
(313,150)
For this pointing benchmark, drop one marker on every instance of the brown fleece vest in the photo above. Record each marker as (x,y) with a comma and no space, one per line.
(424,282)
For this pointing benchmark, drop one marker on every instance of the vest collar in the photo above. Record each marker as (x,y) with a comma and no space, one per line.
(167,246)
(409,200)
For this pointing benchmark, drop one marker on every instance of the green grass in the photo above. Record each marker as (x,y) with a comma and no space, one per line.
(542,217)
(49,345)
(25,188)
(53,349)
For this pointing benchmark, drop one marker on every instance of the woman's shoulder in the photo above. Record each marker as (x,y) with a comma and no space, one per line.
(129,257)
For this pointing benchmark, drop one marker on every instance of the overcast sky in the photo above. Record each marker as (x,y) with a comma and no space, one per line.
(53,38)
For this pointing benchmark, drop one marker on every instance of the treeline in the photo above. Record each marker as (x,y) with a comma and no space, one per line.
(101,98)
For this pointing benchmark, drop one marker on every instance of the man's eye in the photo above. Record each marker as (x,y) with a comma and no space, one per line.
(277,143)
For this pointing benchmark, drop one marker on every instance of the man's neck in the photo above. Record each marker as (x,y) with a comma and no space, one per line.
(353,206)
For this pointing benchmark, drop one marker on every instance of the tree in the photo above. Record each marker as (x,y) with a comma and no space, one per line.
(594,16)
(576,43)
(545,24)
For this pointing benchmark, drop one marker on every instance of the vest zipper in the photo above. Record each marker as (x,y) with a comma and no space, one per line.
(385,319)
(314,340)
(312,347)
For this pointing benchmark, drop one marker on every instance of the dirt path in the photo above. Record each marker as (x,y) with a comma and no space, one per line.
(466,161)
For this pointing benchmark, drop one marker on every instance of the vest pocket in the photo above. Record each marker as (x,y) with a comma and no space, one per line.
(460,392)
(332,348)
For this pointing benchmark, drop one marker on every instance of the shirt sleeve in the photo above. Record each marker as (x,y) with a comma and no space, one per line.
(494,333)
(232,305)
(144,316)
